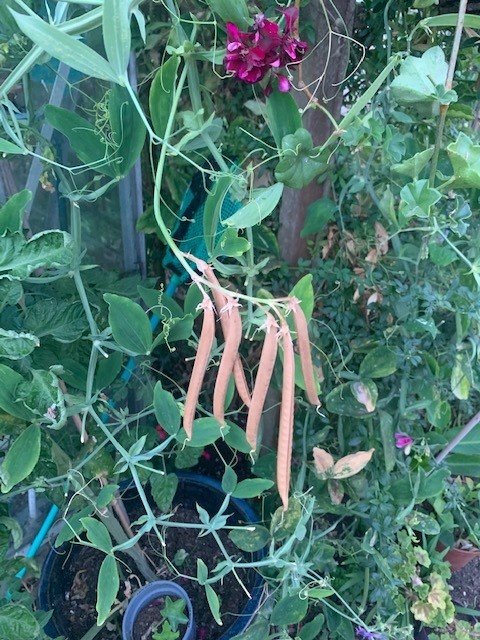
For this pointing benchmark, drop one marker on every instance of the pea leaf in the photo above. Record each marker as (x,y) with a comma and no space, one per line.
(465,158)
(9,147)
(289,610)
(11,214)
(319,213)
(21,458)
(166,409)
(128,131)
(260,206)
(161,94)
(97,534)
(116,34)
(163,489)
(378,363)
(236,12)
(252,488)
(417,198)
(65,47)
(107,588)
(214,604)
(283,116)
(355,399)
(205,431)
(130,325)
(300,162)
(248,540)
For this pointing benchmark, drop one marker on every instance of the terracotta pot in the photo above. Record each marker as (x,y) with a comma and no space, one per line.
(458,558)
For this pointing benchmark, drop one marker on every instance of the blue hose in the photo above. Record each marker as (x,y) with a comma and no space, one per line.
(126,376)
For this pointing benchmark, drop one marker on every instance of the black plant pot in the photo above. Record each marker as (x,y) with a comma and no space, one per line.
(192,490)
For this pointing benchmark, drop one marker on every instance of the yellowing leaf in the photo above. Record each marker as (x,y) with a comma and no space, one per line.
(323,461)
(352,464)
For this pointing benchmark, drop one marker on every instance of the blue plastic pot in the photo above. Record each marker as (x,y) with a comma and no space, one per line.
(192,489)
(145,596)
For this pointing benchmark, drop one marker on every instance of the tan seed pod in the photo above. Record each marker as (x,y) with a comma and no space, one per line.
(285,434)
(262,381)
(304,349)
(200,366)
(229,356)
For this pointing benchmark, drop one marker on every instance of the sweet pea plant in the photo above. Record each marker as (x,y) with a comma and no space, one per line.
(390,298)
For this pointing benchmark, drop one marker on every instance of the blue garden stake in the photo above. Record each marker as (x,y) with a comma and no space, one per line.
(148,595)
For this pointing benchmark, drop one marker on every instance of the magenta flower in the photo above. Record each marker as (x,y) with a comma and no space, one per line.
(252,54)
(404,441)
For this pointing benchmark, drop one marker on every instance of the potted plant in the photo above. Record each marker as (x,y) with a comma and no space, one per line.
(459,511)
(157,612)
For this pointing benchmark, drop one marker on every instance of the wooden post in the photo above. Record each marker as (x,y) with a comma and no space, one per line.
(331,59)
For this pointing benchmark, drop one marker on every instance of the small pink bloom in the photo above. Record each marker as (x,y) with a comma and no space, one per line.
(404,441)
(283,84)
(207,455)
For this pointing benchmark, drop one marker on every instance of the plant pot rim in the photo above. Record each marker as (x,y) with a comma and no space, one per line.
(241,506)
(148,594)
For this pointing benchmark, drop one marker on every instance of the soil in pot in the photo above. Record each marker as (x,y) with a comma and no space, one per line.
(465,585)
(183,547)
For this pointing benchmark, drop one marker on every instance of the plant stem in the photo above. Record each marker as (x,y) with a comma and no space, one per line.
(458,438)
(448,85)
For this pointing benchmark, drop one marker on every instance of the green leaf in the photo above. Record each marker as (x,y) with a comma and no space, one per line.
(450,20)
(21,458)
(73,527)
(116,34)
(64,321)
(248,540)
(8,147)
(107,588)
(164,487)
(236,12)
(11,214)
(107,371)
(465,158)
(388,440)
(97,534)
(9,401)
(202,571)
(417,198)
(106,495)
(414,165)
(130,324)
(290,609)
(378,363)
(441,255)
(229,480)
(355,399)
(260,206)
(174,612)
(127,129)
(213,210)
(252,488)
(236,438)
(214,604)
(166,409)
(230,245)
(300,162)
(311,630)
(283,116)
(65,47)
(15,345)
(162,93)
(18,623)
(421,81)
(11,291)
(422,522)
(461,378)
(303,291)
(340,627)
(319,213)
(257,631)
(48,249)
(87,142)
(205,431)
